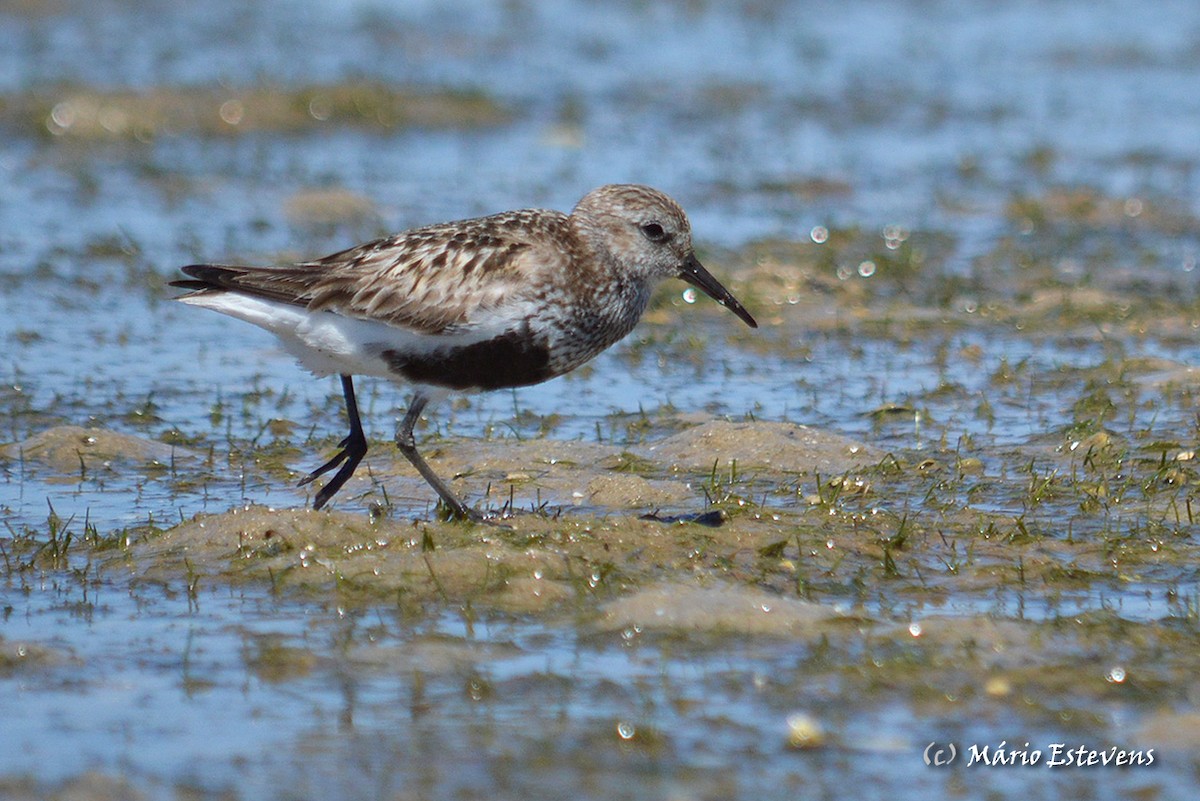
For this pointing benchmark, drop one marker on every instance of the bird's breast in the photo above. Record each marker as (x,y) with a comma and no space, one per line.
(550,339)
(588,328)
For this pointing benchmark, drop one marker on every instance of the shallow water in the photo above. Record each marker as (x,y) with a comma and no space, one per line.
(1005,306)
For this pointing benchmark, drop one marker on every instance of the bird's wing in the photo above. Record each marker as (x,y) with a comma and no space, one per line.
(429,280)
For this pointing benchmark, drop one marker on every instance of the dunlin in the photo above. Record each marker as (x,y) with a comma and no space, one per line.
(508,300)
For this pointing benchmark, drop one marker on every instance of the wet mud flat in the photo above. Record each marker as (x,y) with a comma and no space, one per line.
(945,495)
(1003,555)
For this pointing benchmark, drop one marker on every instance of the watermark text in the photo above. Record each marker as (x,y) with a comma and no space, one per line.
(1052,755)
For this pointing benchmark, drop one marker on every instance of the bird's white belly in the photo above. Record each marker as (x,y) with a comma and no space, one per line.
(327,343)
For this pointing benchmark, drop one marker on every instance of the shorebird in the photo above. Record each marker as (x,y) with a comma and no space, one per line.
(507,300)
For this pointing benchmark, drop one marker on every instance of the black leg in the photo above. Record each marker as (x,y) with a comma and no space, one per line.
(407,444)
(353,449)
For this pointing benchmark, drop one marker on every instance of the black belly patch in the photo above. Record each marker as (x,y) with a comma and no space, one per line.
(515,359)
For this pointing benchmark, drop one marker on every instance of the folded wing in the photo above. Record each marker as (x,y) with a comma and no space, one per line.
(430,280)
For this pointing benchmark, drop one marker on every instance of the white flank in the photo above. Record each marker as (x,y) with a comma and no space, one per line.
(331,344)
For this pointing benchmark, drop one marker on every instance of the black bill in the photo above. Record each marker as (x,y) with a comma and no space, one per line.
(694,273)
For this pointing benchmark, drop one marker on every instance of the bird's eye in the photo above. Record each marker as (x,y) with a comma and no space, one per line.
(654,232)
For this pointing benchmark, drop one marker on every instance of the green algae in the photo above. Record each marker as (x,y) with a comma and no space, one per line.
(90,114)
(1103,496)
